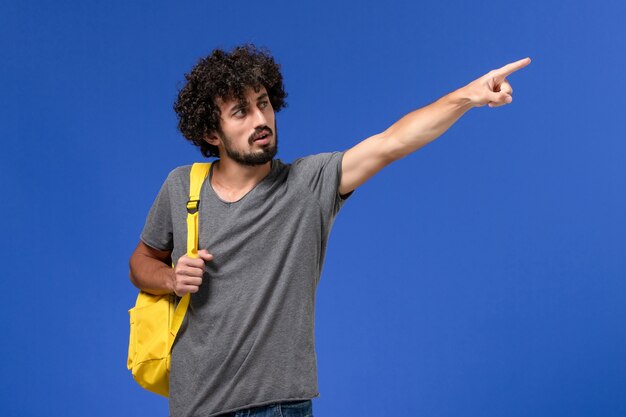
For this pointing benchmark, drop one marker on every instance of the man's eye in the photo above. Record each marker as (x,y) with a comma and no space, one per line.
(239,113)
(263,104)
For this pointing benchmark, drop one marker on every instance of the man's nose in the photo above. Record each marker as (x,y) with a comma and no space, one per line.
(259,117)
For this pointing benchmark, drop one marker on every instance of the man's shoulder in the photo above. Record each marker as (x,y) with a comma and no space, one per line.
(177,180)
(180,170)
(180,174)
(317,157)
(316,161)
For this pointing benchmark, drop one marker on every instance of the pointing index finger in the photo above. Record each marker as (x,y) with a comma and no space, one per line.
(509,69)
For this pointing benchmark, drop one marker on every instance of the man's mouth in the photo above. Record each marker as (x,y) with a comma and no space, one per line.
(262,137)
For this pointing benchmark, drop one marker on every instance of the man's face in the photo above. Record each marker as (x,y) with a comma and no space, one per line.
(248,133)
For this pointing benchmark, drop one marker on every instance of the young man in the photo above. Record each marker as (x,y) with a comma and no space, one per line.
(247,345)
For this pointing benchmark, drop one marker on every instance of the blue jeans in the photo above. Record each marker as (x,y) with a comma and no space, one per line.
(285,409)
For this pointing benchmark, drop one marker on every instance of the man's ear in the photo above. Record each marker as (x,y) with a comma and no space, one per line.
(212,138)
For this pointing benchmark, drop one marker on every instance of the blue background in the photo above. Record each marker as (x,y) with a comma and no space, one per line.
(483,275)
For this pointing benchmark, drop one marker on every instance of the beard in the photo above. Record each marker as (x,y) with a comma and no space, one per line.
(268,152)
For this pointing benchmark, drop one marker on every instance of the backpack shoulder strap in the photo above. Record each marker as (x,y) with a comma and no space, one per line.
(199,172)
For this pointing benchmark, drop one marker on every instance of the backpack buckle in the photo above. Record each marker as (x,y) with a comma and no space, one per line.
(192,206)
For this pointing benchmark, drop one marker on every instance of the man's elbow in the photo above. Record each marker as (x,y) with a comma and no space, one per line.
(131,275)
(395,148)
(132,278)
(134,267)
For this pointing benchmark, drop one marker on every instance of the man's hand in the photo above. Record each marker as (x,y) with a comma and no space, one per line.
(187,276)
(492,88)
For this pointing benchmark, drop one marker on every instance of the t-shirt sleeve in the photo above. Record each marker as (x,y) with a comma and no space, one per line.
(158,232)
(322,175)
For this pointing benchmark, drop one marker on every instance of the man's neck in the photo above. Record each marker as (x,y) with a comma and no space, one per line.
(235,178)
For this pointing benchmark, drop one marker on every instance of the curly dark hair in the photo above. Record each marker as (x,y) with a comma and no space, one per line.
(224,75)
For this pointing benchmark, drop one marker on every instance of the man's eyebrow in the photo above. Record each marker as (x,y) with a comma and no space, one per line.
(244,104)
(240,105)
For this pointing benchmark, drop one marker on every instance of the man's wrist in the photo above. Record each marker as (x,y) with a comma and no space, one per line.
(170,280)
(461,99)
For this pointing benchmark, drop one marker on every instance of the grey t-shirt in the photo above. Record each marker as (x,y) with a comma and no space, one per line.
(248,337)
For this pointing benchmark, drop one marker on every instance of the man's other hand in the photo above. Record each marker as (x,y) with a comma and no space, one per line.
(493,88)
(187,276)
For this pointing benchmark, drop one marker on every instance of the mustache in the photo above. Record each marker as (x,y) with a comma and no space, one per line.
(259,130)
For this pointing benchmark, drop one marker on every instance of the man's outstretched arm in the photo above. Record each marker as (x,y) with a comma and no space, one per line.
(422,126)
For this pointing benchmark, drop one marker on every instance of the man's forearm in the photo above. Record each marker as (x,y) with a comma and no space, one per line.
(150,275)
(424,125)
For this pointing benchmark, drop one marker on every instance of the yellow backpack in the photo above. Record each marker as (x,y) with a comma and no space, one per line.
(154,321)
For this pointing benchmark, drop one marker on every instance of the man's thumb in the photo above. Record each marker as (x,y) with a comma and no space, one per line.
(204,254)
